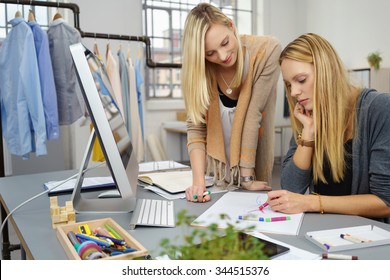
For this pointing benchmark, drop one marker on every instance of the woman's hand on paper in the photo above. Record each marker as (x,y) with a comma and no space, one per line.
(288,202)
(197,193)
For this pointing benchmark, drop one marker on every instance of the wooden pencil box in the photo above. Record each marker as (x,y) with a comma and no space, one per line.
(72,253)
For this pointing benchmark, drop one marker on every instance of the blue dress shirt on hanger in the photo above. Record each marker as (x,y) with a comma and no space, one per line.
(48,88)
(21,103)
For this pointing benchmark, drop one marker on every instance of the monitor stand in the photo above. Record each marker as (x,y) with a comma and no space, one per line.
(122,204)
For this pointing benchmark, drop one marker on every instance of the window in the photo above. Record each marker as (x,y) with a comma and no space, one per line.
(163,24)
(8,11)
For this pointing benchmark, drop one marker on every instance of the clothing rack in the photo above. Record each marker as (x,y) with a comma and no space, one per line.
(76,14)
(76,17)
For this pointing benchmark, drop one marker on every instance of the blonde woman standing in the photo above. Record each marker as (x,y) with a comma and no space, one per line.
(229,88)
(341,146)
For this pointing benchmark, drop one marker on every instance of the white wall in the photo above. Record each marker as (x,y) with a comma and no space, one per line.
(354,27)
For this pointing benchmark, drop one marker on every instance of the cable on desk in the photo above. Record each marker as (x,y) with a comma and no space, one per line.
(42,193)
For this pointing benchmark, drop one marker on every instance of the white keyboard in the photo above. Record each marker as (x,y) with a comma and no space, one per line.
(153,212)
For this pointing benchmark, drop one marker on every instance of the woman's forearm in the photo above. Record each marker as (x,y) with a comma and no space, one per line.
(198,166)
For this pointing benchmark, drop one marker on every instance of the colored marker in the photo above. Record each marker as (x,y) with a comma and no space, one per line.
(204,194)
(277,219)
(115,251)
(102,231)
(338,257)
(262,219)
(250,218)
(110,229)
(325,244)
(94,239)
(111,239)
(261,207)
(351,238)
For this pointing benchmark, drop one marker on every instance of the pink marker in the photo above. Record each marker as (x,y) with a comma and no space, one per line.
(277,219)
(261,207)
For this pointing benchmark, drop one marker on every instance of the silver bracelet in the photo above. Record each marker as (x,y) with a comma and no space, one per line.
(247,179)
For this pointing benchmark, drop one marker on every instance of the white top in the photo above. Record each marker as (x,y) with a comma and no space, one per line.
(227,116)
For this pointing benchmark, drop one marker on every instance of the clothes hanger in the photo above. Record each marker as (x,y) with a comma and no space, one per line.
(139,48)
(128,49)
(31,16)
(139,51)
(108,46)
(96,49)
(57,14)
(18,13)
(128,53)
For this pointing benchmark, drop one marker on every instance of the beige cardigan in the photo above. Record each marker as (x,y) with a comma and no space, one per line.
(252,139)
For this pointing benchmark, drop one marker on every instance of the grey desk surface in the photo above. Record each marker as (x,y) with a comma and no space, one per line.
(33,225)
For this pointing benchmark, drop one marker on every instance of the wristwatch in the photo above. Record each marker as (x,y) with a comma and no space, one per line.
(305,143)
(246,179)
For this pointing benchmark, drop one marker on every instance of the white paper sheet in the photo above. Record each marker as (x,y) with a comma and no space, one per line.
(234,204)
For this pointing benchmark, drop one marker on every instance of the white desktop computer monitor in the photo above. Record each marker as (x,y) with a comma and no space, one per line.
(111,132)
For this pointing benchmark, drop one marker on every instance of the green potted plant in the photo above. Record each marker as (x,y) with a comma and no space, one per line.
(213,243)
(374,60)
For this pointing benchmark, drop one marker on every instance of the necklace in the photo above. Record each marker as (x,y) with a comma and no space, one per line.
(229,89)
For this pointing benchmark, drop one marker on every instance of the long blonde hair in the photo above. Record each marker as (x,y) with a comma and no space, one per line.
(198,75)
(332,97)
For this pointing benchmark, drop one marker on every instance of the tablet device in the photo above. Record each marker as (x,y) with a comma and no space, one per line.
(270,249)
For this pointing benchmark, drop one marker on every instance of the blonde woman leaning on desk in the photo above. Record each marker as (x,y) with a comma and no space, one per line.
(341,148)
(229,88)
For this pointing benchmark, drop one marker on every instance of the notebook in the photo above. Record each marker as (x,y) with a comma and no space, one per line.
(164,165)
(171,181)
